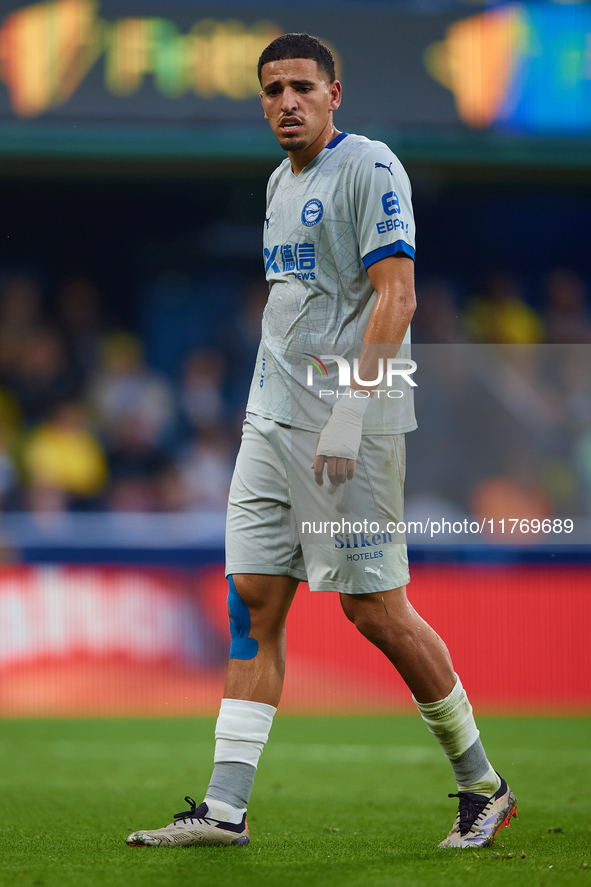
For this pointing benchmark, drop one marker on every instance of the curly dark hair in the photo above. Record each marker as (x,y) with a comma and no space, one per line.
(299,46)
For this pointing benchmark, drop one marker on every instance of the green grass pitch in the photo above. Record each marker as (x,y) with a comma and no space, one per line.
(338,801)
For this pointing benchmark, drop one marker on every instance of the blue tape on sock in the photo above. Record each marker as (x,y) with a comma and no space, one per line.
(242,647)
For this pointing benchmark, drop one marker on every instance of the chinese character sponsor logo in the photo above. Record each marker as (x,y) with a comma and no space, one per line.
(270,256)
(312,213)
(298,259)
(287,257)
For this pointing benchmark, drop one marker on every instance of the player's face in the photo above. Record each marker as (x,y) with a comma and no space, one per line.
(298,101)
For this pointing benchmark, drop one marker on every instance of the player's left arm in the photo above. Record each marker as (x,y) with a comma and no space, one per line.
(393,281)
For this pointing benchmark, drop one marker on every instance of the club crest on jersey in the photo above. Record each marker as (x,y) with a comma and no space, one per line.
(312,213)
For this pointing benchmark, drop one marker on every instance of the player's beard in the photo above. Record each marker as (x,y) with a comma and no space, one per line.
(293,144)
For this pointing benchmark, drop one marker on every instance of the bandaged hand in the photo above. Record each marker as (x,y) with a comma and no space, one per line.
(339,441)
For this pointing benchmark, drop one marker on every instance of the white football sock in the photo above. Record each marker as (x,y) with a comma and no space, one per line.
(225,812)
(452,723)
(485,785)
(242,729)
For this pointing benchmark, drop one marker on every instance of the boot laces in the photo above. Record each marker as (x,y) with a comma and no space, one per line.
(470,808)
(196,812)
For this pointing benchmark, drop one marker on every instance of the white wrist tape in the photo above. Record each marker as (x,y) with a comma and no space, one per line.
(341,436)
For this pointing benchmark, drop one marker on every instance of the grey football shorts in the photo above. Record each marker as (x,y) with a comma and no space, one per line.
(280,522)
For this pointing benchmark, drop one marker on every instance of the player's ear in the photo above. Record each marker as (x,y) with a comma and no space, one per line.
(336,92)
(261,98)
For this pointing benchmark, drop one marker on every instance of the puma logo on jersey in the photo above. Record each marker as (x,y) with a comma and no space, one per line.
(378,572)
(383,166)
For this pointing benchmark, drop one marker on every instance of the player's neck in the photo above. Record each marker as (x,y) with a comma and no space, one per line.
(300,159)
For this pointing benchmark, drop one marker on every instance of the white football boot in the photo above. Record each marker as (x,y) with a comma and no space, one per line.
(479,818)
(194,826)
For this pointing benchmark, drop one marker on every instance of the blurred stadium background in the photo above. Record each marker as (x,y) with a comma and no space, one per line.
(133,165)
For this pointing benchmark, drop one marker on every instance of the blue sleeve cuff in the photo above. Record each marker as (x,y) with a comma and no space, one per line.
(391,249)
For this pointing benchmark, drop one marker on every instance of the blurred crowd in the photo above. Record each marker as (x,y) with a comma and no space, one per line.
(501,312)
(87,423)
(147,419)
(512,424)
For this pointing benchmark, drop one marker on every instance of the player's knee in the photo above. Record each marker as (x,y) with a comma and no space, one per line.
(266,599)
(371,626)
(242,646)
(248,592)
(363,617)
(374,622)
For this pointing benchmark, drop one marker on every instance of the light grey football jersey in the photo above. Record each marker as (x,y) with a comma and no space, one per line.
(348,208)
